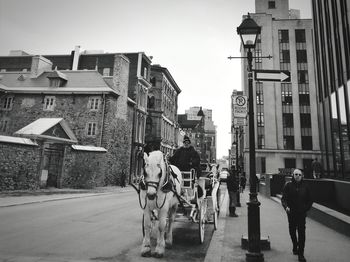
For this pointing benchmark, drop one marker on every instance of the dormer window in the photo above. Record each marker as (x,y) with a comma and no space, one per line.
(57,79)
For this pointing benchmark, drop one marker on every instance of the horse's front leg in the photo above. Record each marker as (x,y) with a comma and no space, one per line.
(146,243)
(169,232)
(162,215)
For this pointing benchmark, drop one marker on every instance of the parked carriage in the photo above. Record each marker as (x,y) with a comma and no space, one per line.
(167,194)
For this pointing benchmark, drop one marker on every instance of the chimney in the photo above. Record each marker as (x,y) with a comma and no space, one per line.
(39,65)
(76,54)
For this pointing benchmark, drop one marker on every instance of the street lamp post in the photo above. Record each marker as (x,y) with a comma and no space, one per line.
(237,169)
(249,31)
(202,145)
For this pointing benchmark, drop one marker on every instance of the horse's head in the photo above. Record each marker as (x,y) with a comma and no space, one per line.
(154,171)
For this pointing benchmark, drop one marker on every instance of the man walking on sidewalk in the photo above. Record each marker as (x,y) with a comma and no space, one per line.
(296,200)
(232,188)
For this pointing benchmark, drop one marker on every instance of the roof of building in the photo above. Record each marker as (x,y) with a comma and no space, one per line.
(168,75)
(185,123)
(17,140)
(80,81)
(89,148)
(46,127)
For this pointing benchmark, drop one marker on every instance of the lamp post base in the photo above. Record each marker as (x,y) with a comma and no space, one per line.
(254,247)
(254,257)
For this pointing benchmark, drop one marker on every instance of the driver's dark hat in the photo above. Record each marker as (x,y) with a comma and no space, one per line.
(187,139)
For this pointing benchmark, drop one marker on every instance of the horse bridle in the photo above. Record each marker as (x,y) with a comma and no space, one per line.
(144,186)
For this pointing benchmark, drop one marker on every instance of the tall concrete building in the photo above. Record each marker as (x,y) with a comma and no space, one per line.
(286,129)
(332,53)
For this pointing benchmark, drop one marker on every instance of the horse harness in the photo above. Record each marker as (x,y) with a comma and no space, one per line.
(167,186)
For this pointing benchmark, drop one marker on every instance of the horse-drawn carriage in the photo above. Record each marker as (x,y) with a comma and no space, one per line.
(166,194)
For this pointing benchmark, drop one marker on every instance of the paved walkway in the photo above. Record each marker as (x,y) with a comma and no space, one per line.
(322,244)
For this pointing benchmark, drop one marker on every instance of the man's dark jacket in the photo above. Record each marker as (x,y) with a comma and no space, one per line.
(232,183)
(297,197)
(185,159)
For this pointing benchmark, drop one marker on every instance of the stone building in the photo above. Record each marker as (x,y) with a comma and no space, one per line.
(75,123)
(287,128)
(161,124)
(131,118)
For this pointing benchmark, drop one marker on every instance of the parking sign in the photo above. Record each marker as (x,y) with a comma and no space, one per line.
(240,106)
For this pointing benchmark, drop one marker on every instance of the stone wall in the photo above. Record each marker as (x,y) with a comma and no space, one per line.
(19,166)
(83,169)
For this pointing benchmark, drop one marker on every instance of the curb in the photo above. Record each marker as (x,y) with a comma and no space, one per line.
(215,249)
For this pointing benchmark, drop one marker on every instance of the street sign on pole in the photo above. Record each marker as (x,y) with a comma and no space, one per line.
(272,75)
(239,121)
(240,107)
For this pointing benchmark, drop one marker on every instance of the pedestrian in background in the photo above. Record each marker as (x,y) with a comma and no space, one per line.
(232,187)
(296,200)
(243,182)
(316,168)
(123,178)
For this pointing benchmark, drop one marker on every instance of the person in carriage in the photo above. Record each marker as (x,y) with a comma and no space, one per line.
(186,157)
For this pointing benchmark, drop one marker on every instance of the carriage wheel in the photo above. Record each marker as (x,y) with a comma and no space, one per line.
(143,225)
(201,222)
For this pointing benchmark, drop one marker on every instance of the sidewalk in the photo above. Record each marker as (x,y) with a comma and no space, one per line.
(322,244)
(15,198)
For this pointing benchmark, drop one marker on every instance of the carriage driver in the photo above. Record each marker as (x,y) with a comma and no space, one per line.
(186,157)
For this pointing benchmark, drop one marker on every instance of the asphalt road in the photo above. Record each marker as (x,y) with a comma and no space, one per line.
(95,228)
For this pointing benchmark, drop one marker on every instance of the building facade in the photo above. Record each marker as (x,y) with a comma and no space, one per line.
(202,130)
(135,96)
(71,115)
(287,128)
(332,57)
(161,124)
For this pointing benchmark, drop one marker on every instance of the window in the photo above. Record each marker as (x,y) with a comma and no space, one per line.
(94,103)
(301,56)
(148,126)
(91,129)
(49,103)
(7,103)
(261,141)
(272,5)
(285,56)
(300,36)
(4,124)
(305,120)
(288,142)
(56,82)
(303,77)
(288,120)
(260,119)
(289,163)
(283,36)
(304,99)
(306,142)
(106,71)
(259,93)
(145,72)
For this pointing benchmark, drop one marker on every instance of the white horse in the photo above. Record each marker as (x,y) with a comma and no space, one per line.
(159,194)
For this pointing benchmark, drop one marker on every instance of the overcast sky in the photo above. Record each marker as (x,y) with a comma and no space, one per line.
(192,38)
